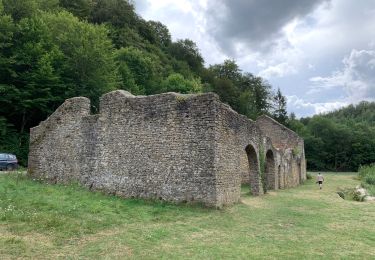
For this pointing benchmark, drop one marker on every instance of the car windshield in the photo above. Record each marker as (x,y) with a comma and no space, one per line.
(4,156)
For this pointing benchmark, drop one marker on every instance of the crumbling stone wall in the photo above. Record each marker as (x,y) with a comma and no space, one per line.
(56,144)
(172,147)
(292,151)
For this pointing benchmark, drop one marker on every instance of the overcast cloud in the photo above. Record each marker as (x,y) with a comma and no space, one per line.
(257,23)
(320,53)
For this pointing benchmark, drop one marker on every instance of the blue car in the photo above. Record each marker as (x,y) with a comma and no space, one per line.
(8,162)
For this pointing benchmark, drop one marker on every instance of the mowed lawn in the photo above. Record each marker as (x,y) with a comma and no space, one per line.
(43,221)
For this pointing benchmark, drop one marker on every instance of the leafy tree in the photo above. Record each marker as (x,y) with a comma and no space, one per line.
(89,68)
(51,50)
(140,70)
(55,56)
(187,51)
(177,83)
(162,34)
(246,93)
(80,8)
(19,9)
(6,41)
(228,70)
(262,94)
(279,112)
(119,13)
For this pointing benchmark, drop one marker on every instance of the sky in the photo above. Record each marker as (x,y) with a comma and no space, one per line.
(320,53)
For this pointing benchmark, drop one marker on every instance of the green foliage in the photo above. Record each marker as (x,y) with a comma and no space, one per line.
(51,50)
(140,71)
(296,151)
(248,94)
(161,34)
(367,176)
(350,194)
(88,54)
(187,51)
(19,9)
(279,110)
(177,83)
(80,8)
(340,140)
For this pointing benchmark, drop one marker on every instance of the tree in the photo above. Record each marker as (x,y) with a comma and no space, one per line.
(188,51)
(140,71)
(55,57)
(227,70)
(162,34)
(246,93)
(119,13)
(19,9)
(80,8)
(89,67)
(279,110)
(177,83)
(6,41)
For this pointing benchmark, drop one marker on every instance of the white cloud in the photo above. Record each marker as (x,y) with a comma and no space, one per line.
(279,70)
(307,44)
(184,19)
(299,104)
(356,78)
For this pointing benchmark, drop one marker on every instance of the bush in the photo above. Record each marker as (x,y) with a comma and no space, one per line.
(351,194)
(367,175)
(370,179)
(308,176)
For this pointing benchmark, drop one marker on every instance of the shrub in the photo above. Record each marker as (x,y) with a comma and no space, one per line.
(367,175)
(370,179)
(308,176)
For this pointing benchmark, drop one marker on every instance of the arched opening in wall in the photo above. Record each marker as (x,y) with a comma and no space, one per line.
(299,172)
(253,169)
(269,171)
(279,177)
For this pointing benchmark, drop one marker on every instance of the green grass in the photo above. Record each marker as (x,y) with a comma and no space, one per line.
(367,175)
(43,221)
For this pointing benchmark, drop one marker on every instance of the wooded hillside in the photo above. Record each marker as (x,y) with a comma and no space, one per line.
(341,140)
(51,50)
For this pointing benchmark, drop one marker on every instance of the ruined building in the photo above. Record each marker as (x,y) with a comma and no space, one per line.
(174,147)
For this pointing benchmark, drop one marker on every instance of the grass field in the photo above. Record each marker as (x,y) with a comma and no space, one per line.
(52,221)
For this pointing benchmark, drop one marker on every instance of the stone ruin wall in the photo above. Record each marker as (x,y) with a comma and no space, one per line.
(172,147)
(293,164)
(146,147)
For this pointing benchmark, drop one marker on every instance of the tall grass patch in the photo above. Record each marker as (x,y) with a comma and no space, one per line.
(367,176)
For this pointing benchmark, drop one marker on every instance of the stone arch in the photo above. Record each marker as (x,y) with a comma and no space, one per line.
(253,164)
(269,171)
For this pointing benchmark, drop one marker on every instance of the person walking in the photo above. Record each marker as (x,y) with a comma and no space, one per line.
(320,179)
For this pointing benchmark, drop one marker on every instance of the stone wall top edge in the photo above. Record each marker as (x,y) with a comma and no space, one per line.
(265,117)
(70,110)
(229,109)
(112,99)
(126,94)
(70,107)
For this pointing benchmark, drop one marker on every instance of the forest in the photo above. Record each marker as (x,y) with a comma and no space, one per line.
(51,50)
(341,140)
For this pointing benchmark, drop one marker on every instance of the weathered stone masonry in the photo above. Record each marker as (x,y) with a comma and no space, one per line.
(173,147)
